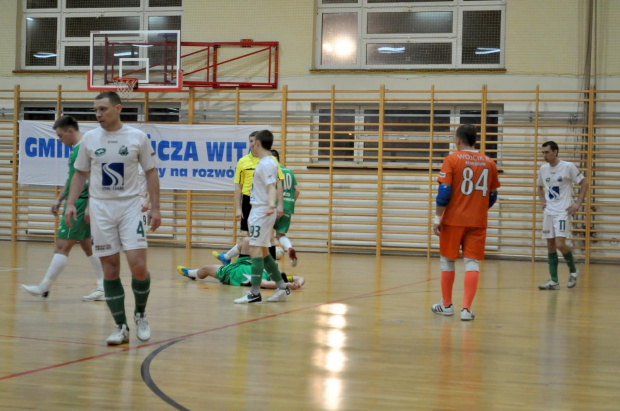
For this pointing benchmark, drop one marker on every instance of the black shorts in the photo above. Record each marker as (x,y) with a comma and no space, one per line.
(245,212)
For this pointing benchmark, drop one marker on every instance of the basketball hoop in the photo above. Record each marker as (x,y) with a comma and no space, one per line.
(125,85)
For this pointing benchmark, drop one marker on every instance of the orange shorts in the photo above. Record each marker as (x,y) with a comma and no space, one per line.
(471,238)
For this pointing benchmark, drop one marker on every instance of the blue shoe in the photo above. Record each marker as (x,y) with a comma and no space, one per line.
(182,270)
(221,257)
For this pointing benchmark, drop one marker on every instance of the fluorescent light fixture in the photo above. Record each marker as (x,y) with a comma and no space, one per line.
(391,50)
(487,50)
(29,19)
(124,53)
(44,55)
(142,45)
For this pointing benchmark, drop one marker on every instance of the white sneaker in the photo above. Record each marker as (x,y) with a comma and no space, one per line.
(281,294)
(572,279)
(144,330)
(467,315)
(440,309)
(119,336)
(36,290)
(549,285)
(249,298)
(95,295)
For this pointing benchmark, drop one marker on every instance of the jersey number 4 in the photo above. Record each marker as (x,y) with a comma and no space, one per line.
(468,186)
(141,225)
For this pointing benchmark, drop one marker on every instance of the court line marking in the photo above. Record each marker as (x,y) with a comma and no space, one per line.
(222,327)
(145,371)
(48,340)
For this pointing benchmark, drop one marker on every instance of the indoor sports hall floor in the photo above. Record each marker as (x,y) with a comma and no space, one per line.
(358,336)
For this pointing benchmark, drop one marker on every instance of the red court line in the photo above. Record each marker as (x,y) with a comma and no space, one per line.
(48,340)
(19,374)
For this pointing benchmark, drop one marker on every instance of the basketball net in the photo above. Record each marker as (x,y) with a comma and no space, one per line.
(125,85)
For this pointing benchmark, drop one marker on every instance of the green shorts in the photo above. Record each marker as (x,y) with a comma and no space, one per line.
(238,273)
(283,224)
(81,229)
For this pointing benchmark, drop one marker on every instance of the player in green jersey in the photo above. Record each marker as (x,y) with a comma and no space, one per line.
(239,272)
(290,193)
(68,132)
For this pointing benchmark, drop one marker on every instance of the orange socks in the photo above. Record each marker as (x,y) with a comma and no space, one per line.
(471,285)
(447,280)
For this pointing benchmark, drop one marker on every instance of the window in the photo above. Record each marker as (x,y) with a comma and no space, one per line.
(56,33)
(406,130)
(132,112)
(410,34)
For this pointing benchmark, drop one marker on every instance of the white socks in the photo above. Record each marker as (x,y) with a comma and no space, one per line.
(233,252)
(285,242)
(55,268)
(95,264)
(192,273)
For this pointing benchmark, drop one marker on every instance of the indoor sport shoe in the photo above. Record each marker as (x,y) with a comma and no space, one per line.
(441,310)
(572,279)
(221,257)
(281,294)
(95,295)
(292,256)
(119,336)
(36,290)
(549,285)
(144,329)
(184,271)
(249,298)
(467,315)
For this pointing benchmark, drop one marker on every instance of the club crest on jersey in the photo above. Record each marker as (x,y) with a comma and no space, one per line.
(113,176)
(99,152)
(123,151)
(560,178)
(548,179)
(554,193)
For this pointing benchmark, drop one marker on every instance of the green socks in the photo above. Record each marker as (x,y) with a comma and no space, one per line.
(141,290)
(570,261)
(553,266)
(272,268)
(115,298)
(257,274)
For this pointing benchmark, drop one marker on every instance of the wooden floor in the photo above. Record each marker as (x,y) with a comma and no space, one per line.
(359,336)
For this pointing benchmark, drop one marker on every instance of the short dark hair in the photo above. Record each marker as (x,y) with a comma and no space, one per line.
(253,133)
(65,122)
(110,95)
(467,134)
(552,145)
(266,139)
(276,154)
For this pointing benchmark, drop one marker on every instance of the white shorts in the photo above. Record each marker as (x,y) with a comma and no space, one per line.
(260,227)
(556,225)
(117,224)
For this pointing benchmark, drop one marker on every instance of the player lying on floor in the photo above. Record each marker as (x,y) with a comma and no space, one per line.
(238,272)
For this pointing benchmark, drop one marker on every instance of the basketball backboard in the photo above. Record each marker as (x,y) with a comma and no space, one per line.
(153,57)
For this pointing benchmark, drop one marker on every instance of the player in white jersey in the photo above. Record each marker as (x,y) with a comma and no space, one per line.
(261,220)
(113,154)
(555,191)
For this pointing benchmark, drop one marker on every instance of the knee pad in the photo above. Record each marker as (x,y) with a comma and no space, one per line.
(446,264)
(471,264)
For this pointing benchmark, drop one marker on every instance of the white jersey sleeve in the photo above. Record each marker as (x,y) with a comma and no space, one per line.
(575,174)
(146,155)
(82,162)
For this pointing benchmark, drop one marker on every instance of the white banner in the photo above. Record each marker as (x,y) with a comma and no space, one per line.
(191,157)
